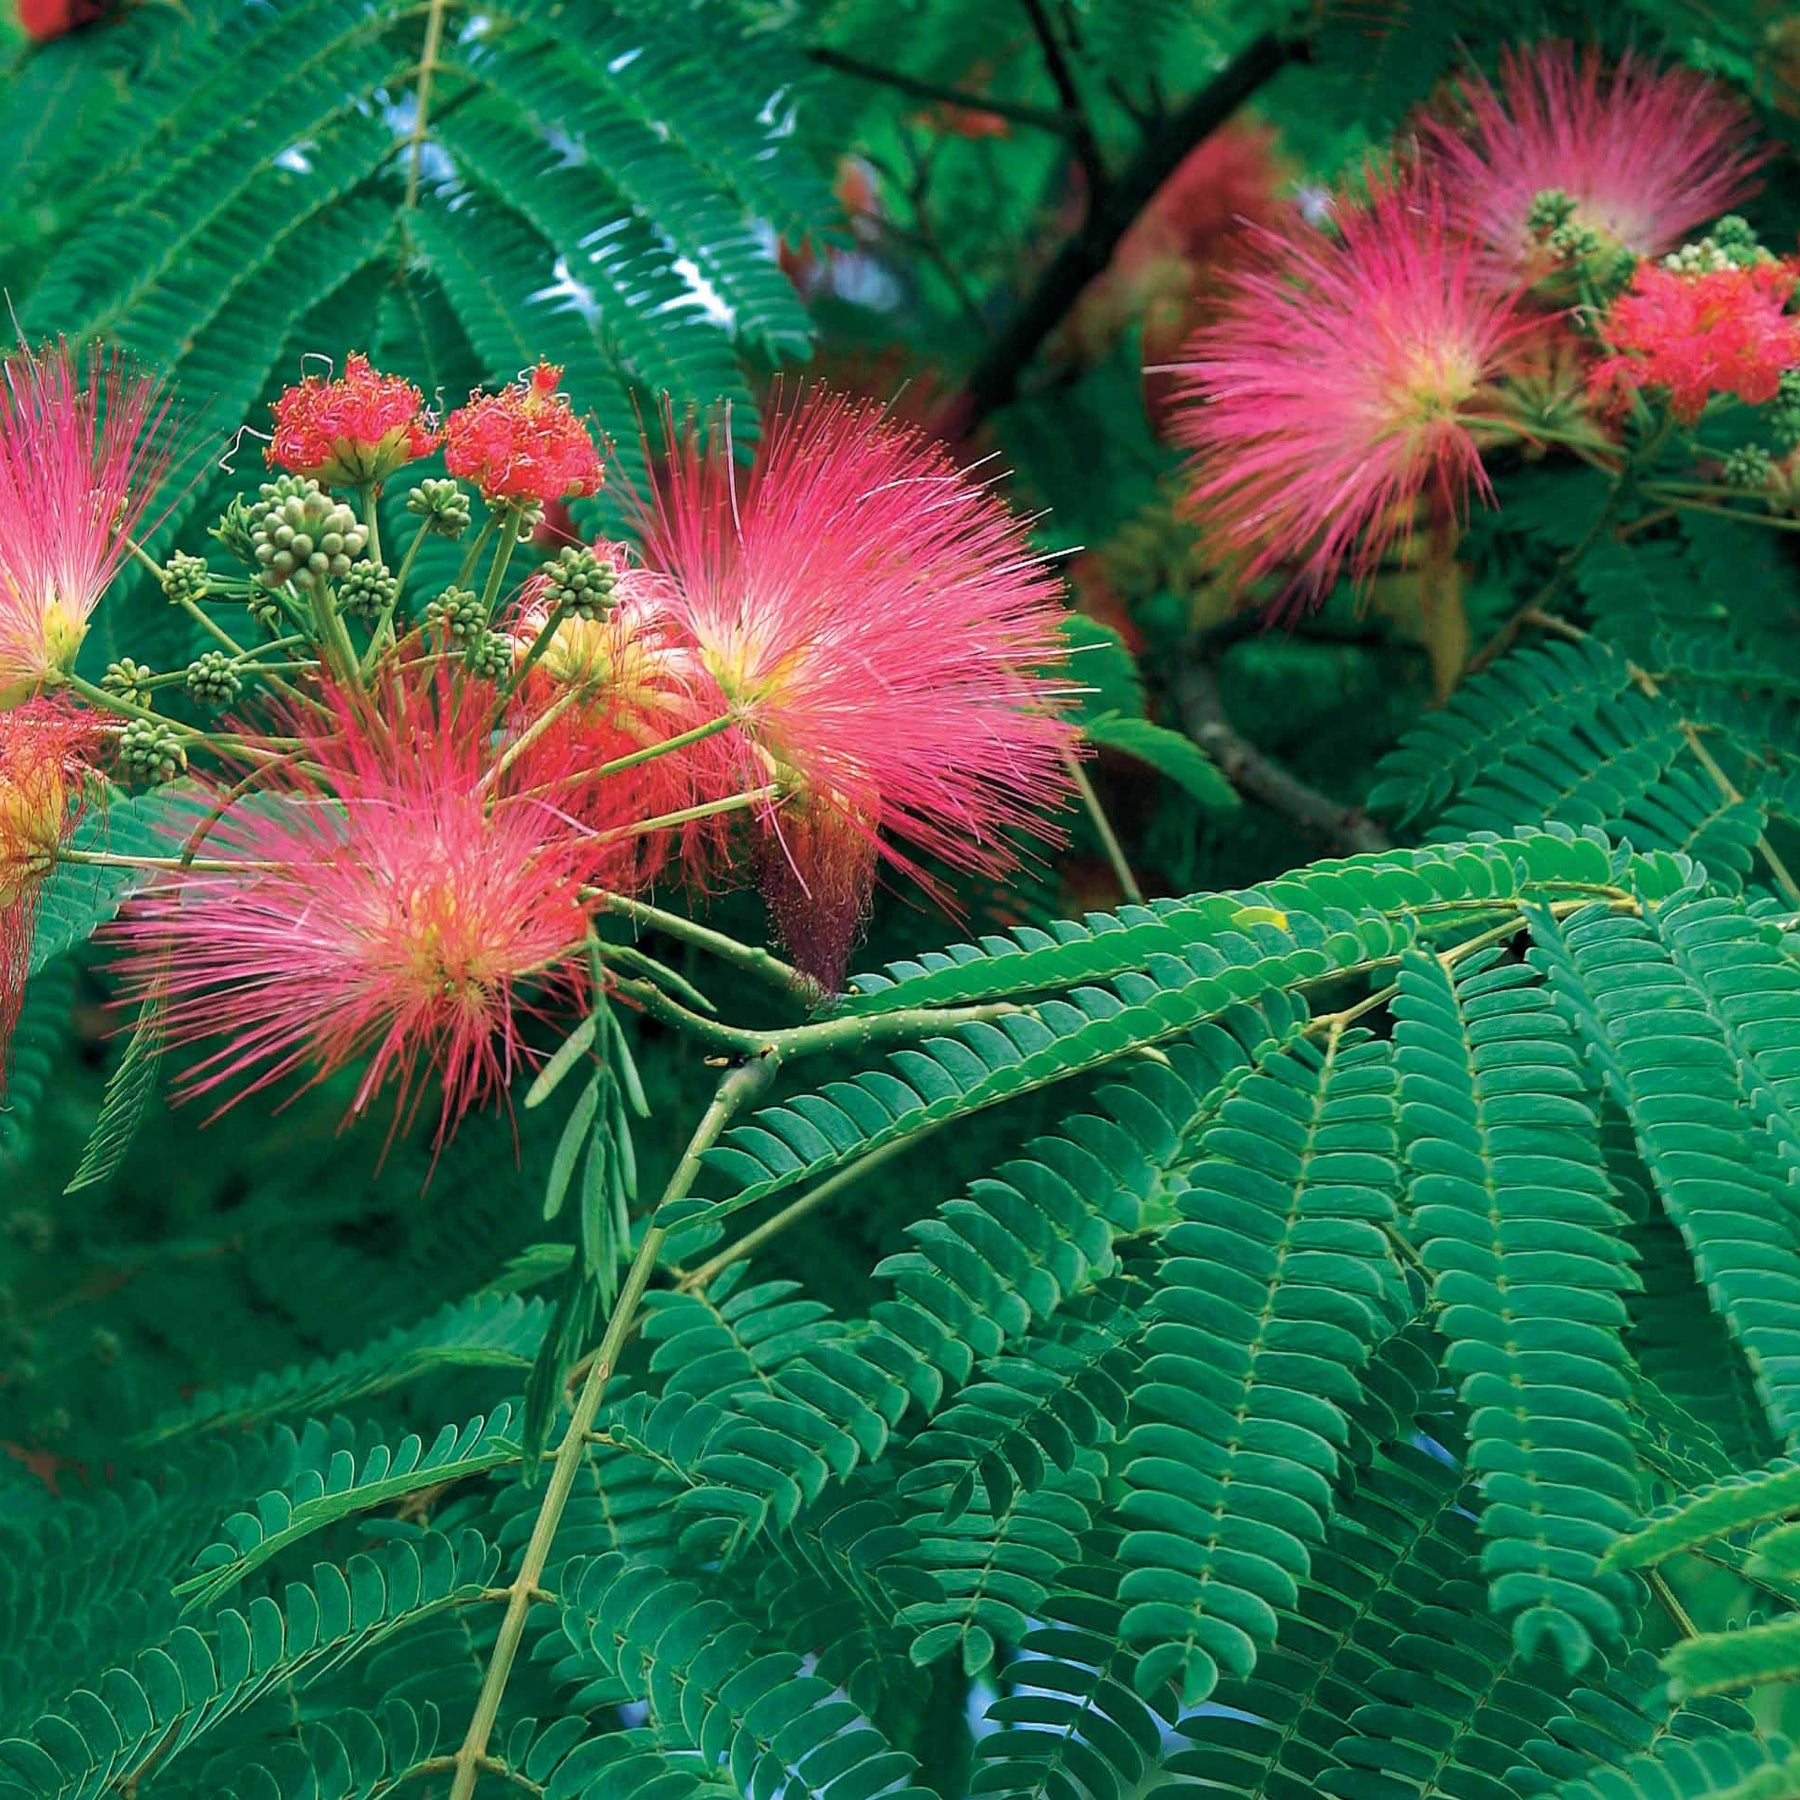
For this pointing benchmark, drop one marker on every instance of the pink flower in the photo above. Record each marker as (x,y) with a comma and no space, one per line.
(395,907)
(523,444)
(878,623)
(637,681)
(1336,392)
(80,455)
(1724,331)
(360,428)
(46,751)
(1643,156)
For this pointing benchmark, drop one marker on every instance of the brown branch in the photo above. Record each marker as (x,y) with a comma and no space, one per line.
(1040,118)
(1347,830)
(1110,213)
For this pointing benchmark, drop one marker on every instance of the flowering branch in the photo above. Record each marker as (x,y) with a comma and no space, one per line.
(747,957)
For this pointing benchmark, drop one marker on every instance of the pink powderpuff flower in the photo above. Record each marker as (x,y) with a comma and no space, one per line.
(81,452)
(1723,331)
(1338,389)
(524,444)
(879,625)
(47,750)
(1642,156)
(395,906)
(631,681)
(357,429)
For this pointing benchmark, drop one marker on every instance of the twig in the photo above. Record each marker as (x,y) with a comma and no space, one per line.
(1039,118)
(1080,130)
(1347,829)
(727,949)
(996,377)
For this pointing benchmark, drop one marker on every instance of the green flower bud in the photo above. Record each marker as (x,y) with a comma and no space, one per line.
(129,679)
(491,655)
(367,591)
(458,614)
(151,752)
(301,534)
(443,506)
(579,583)
(213,680)
(1750,468)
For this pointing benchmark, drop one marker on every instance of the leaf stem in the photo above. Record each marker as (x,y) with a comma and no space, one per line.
(428,65)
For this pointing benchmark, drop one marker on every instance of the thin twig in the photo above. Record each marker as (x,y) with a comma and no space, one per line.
(1109,839)
(736,1087)
(1080,129)
(1039,118)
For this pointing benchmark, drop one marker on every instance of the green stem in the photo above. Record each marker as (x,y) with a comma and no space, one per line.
(736,1087)
(747,957)
(688,814)
(1109,839)
(106,859)
(857,1031)
(741,1249)
(383,632)
(539,644)
(371,517)
(680,741)
(529,736)
(335,647)
(508,518)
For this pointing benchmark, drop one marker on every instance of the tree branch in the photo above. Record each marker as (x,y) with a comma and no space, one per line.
(1039,118)
(1348,830)
(1111,212)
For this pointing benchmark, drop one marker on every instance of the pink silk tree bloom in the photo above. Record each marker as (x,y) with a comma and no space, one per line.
(880,627)
(1633,158)
(82,450)
(394,907)
(1339,390)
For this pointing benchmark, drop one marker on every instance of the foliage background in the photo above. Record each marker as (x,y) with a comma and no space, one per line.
(228,188)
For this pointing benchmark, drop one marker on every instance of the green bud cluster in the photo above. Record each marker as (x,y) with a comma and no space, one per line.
(302,535)
(367,591)
(1750,467)
(491,655)
(1731,244)
(213,680)
(1551,210)
(459,614)
(129,679)
(443,506)
(150,752)
(184,578)
(579,583)
(234,530)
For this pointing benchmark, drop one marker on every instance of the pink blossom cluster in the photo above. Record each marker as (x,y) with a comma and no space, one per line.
(1497,284)
(841,655)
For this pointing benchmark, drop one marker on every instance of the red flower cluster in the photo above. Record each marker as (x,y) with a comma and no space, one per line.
(354,430)
(524,444)
(1723,331)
